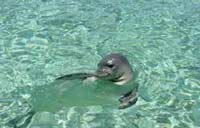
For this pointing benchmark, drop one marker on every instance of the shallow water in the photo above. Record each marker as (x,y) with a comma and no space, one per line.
(41,40)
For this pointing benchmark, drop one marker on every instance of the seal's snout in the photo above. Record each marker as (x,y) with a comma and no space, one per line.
(103,72)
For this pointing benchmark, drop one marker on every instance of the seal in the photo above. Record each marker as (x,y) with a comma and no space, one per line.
(113,67)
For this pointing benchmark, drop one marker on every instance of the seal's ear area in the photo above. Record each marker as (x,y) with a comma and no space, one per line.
(73,76)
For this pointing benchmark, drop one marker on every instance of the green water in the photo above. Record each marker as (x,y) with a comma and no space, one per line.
(41,40)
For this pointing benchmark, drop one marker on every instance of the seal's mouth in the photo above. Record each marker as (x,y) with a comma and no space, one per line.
(104,72)
(107,74)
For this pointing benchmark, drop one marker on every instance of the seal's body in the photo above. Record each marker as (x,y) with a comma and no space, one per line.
(115,68)
(115,80)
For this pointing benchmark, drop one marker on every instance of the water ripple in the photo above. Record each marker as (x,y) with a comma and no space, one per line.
(40,40)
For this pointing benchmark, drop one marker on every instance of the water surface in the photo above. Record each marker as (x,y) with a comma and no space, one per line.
(40,40)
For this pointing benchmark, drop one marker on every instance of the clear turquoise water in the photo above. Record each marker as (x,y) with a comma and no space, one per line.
(40,40)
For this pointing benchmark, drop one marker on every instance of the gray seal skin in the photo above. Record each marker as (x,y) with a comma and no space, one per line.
(113,68)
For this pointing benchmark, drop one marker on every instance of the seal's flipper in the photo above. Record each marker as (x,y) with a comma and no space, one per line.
(128,99)
(125,96)
(76,76)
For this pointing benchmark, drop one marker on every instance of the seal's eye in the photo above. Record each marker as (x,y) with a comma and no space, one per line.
(110,65)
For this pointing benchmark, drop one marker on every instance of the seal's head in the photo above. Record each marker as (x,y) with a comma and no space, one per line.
(116,68)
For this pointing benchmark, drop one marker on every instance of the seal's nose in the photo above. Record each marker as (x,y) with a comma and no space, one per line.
(103,71)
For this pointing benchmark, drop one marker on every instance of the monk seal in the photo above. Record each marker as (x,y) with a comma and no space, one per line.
(113,68)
